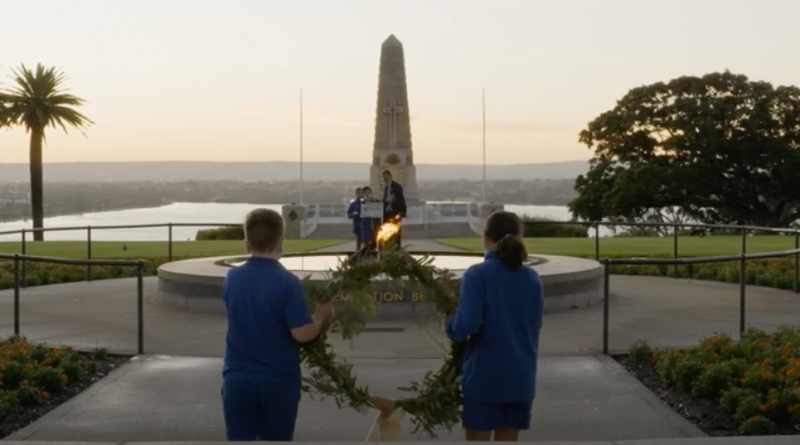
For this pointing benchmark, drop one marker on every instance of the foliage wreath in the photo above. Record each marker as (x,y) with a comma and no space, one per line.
(435,402)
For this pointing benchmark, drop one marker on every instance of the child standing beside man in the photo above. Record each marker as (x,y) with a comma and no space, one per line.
(268,320)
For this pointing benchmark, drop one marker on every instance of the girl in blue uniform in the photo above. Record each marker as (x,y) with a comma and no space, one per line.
(499,316)
(368,225)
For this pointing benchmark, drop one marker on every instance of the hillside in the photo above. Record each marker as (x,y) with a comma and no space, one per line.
(278,171)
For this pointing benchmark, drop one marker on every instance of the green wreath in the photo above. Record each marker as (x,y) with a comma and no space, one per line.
(433,403)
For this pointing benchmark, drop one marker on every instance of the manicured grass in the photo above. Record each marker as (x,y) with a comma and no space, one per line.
(113,249)
(689,246)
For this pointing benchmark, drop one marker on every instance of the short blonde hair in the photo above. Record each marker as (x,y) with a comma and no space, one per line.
(263,229)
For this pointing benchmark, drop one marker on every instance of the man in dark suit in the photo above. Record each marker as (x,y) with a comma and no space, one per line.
(394,202)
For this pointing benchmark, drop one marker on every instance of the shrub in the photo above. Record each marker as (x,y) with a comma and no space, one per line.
(222,233)
(534,227)
(757,380)
(31,374)
(641,352)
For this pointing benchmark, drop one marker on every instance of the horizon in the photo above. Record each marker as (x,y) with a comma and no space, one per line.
(219,81)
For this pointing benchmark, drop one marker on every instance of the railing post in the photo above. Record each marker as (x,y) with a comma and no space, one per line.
(16,293)
(797,262)
(675,245)
(606,304)
(89,252)
(24,264)
(744,240)
(140,306)
(742,293)
(169,242)
(597,241)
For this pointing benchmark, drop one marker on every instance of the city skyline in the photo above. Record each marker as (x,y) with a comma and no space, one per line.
(220,81)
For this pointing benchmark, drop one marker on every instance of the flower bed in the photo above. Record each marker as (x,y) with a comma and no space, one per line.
(39,274)
(35,379)
(777,273)
(727,388)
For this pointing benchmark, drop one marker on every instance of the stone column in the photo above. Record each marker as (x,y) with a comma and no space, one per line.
(293,216)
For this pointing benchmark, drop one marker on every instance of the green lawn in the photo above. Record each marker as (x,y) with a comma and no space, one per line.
(693,246)
(113,249)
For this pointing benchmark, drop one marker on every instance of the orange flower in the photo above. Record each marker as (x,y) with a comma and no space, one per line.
(47,361)
(56,351)
(28,366)
(64,378)
(794,409)
(23,383)
(45,395)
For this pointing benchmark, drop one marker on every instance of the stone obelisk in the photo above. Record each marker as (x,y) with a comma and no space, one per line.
(392,150)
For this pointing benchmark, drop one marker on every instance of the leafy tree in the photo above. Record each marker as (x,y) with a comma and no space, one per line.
(721,148)
(37,101)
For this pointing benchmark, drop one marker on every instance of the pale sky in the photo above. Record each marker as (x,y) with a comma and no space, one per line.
(220,80)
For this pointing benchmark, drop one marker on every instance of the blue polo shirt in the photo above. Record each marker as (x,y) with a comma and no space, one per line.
(264,302)
(354,213)
(499,316)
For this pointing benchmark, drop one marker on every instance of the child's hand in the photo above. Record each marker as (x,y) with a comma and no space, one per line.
(324,311)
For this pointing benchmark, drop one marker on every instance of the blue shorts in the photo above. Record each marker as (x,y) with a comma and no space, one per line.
(479,416)
(258,410)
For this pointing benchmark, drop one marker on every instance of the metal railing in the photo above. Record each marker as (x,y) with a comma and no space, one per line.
(19,260)
(742,258)
(743,230)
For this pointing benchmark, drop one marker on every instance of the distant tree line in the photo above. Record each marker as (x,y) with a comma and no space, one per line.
(78,198)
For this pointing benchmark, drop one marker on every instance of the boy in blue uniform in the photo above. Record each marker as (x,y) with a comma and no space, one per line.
(268,319)
(368,225)
(499,316)
(354,213)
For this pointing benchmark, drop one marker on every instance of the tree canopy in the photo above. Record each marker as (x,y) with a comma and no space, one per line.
(720,148)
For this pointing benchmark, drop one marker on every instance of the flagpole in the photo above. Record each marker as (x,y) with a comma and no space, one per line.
(301,146)
(484,145)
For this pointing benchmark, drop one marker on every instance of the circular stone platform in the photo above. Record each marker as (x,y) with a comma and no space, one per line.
(196,284)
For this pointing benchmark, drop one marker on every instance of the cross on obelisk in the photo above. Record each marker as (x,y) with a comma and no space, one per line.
(392,111)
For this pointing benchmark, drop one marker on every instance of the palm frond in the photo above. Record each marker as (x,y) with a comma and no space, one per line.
(38,99)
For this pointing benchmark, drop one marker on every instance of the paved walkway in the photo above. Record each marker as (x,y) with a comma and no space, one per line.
(664,311)
(177,399)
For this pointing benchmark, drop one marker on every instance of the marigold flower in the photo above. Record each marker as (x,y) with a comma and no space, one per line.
(45,395)
(56,351)
(47,361)
(64,378)
(23,383)
(28,366)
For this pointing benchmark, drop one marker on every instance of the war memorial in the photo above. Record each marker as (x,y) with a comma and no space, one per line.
(570,283)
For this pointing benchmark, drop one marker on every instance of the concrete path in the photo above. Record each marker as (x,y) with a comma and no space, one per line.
(664,311)
(177,399)
(753,440)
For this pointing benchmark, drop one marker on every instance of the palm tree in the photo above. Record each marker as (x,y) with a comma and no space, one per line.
(37,101)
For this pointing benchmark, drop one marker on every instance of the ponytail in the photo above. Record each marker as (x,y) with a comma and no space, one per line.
(511,251)
(504,230)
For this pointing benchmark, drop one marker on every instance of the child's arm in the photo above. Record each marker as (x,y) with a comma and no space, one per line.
(469,316)
(304,328)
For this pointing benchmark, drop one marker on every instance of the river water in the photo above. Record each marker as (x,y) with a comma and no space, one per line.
(189,213)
